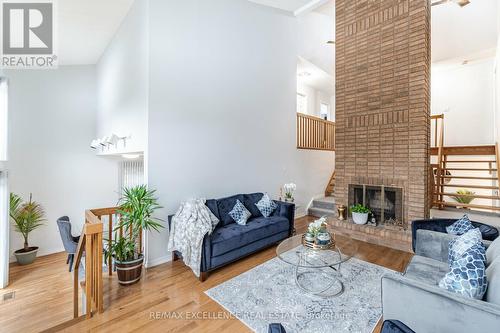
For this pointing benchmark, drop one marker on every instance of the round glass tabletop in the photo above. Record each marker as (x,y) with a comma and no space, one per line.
(293,252)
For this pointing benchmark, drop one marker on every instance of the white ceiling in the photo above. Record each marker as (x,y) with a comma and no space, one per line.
(296,7)
(463,32)
(85,28)
(457,33)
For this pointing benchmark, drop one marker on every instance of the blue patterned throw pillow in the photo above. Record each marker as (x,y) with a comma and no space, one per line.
(467,275)
(240,213)
(460,227)
(266,206)
(460,245)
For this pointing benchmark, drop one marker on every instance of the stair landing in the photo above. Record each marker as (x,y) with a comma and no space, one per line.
(323,207)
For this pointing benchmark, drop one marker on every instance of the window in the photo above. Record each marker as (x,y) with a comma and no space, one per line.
(4,190)
(3,119)
(4,230)
(324,111)
(301,103)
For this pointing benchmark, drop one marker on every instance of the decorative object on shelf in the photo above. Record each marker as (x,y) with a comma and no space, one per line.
(108,141)
(464,197)
(342,210)
(359,213)
(289,191)
(27,216)
(372,221)
(137,206)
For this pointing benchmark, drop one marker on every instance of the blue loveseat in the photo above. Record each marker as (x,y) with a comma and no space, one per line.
(230,241)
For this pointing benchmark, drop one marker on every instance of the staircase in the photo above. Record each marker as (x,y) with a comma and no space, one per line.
(323,207)
(330,188)
(469,168)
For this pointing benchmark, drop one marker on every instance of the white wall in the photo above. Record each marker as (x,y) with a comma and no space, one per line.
(466,94)
(221,108)
(314,30)
(122,74)
(52,117)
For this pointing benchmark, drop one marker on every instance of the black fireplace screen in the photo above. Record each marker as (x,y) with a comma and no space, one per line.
(385,203)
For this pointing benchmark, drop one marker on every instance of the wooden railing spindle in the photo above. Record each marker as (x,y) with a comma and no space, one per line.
(315,133)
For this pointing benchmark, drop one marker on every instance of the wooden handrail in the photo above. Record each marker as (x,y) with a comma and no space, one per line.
(497,155)
(91,243)
(441,164)
(315,133)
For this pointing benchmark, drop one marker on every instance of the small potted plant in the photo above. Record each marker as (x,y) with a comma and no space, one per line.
(136,208)
(359,213)
(26,216)
(464,197)
(289,190)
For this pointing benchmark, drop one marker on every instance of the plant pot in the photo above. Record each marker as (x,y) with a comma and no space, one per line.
(129,272)
(360,218)
(26,257)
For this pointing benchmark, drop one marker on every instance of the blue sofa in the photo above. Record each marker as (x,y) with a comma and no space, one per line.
(230,242)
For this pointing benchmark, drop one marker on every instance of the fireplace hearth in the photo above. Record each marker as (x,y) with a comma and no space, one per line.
(385,203)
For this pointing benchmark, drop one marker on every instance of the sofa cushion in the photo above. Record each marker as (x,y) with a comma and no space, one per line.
(249,200)
(493,252)
(212,205)
(467,275)
(266,206)
(493,275)
(460,227)
(426,270)
(224,206)
(460,245)
(234,236)
(240,213)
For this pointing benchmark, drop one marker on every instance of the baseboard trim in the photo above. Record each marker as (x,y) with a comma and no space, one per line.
(158,261)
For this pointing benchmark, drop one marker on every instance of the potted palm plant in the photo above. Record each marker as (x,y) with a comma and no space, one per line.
(26,216)
(136,207)
(359,214)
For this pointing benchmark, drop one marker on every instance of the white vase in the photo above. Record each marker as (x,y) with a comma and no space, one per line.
(360,218)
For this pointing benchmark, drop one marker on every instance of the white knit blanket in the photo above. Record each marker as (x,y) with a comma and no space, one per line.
(189,226)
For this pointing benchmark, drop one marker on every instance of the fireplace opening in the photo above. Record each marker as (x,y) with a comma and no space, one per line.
(385,203)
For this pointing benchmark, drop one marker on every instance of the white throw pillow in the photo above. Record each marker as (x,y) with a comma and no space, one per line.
(240,213)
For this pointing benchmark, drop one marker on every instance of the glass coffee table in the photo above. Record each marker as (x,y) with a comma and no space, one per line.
(317,271)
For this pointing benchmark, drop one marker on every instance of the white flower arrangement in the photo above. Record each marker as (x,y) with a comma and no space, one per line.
(289,190)
(317,226)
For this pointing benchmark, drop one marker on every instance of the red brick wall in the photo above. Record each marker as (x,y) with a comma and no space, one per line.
(383,98)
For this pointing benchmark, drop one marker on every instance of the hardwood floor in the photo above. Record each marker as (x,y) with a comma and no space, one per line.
(44,296)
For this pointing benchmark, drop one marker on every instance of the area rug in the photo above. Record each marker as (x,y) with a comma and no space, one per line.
(268,294)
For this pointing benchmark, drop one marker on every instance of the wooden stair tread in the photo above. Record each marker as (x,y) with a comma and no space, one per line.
(457,204)
(481,150)
(467,169)
(471,186)
(469,177)
(476,196)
